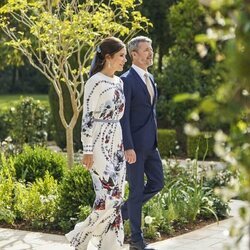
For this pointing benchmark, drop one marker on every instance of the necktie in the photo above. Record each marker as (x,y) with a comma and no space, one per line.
(149,87)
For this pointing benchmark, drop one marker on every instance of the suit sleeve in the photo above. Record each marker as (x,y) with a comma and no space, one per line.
(125,121)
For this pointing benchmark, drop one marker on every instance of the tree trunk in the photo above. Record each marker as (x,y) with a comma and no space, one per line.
(70,146)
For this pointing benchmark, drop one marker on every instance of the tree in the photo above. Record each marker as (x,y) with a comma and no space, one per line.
(55,33)
(158,11)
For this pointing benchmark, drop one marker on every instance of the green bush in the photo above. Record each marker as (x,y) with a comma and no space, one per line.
(76,192)
(203,143)
(166,141)
(7,187)
(29,121)
(37,203)
(32,163)
(5,124)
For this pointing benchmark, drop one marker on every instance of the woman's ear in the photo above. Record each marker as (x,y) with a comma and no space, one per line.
(107,57)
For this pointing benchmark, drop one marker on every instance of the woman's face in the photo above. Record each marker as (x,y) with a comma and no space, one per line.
(118,60)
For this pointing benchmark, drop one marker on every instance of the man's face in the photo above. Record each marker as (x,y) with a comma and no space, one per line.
(143,57)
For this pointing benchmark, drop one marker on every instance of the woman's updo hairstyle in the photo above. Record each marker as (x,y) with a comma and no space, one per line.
(108,46)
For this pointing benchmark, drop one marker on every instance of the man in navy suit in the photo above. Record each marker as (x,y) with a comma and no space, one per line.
(139,130)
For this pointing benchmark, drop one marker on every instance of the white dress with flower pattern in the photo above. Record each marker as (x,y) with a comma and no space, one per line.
(102,136)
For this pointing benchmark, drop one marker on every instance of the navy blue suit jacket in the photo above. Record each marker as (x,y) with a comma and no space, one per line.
(139,120)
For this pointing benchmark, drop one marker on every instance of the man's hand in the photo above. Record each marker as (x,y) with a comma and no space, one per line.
(87,161)
(130,156)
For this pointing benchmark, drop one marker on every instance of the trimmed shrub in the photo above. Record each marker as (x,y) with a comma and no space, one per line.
(29,121)
(166,141)
(76,192)
(203,142)
(33,163)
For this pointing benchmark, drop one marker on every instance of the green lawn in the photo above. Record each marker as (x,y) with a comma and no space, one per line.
(8,100)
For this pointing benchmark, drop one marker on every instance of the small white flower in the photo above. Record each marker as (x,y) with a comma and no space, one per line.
(8,139)
(210,203)
(219,150)
(52,219)
(211,34)
(148,219)
(220,136)
(164,162)
(158,235)
(245,92)
(191,130)
(202,50)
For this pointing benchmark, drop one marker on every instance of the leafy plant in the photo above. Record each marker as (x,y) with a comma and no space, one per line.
(7,187)
(76,192)
(38,202)
(29,122)
(33,163)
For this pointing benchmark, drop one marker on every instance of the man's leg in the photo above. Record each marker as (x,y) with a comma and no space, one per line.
(133,206)
(155,179)
(154,172)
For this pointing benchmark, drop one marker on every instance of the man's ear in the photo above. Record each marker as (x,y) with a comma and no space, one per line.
(133,54)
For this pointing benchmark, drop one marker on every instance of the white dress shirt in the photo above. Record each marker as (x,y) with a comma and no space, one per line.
(141,72)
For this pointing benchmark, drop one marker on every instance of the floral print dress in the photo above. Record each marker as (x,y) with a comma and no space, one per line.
(102,136)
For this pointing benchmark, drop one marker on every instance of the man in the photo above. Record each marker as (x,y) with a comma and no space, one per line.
(140,137)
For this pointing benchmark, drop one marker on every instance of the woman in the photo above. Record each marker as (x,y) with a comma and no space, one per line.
(103,152)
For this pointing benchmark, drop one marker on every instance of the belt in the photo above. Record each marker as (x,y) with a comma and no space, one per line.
(106,121)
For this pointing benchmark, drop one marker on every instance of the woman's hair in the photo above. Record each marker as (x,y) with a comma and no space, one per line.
(108,46)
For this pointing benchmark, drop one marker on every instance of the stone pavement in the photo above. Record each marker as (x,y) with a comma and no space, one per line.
(211,237)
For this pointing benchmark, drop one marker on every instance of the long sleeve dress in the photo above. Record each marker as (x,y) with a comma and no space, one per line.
(101,136)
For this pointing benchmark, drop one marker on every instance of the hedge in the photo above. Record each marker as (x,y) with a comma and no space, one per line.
(204,141)
(166,141)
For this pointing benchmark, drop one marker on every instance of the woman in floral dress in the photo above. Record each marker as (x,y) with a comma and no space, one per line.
(103,149)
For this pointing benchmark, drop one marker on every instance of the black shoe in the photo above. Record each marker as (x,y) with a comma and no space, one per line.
(139,245)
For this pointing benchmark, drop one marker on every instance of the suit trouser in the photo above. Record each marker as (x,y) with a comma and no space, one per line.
(140,192)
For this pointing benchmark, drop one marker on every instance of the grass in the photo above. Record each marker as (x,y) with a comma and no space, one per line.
(7,101)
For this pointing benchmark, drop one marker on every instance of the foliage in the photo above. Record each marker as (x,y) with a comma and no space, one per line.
(229,22)
(28,122)
(166,142)
(184,71)
(76,192)
(4,125)
(37,203)
(182,74)
(33,163)
(187,196)
(158,11)
(203,144)
(7,187)
(7,101)
(59,39)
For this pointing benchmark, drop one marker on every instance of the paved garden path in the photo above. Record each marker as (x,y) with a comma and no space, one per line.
(212,237)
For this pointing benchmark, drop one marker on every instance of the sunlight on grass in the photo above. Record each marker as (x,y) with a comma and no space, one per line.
(7,101)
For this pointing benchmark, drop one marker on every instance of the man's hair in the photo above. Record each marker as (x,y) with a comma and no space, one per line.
(133,44)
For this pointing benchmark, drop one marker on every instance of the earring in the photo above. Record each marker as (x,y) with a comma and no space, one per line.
(109,64)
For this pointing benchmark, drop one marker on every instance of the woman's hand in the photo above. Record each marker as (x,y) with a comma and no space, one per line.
(130,156)
(87,161)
